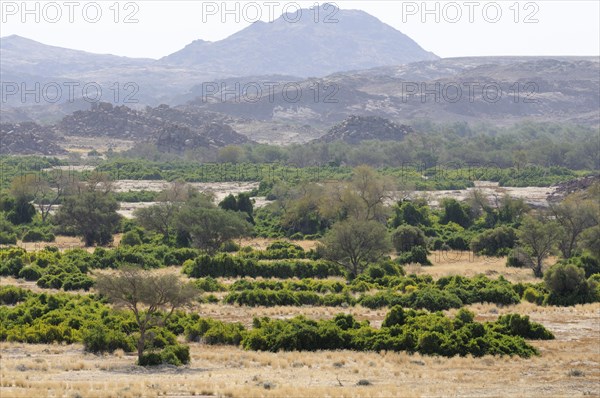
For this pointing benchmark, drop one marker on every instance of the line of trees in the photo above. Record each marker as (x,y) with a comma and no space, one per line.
(353,217)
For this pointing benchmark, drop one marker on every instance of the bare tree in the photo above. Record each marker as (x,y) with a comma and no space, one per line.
(152,298)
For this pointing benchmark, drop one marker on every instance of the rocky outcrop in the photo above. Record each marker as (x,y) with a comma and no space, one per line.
(568,187)
(356,129)
(106,120)
(28,139)
(172,130)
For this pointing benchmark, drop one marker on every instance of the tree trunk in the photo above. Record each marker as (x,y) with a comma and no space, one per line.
(140,346)
(537,270)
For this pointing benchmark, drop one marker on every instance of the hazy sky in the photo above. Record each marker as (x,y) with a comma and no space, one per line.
(158,27)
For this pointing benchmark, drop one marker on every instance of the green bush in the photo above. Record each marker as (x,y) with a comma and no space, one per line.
(150,359)
(213,332)
(11,266)
(407,237)
(97,338)
(427,333)
(229,247)
(517,258)
(432,300)
(495,242)
(131,238)
(520,325)
(458,242)
(567,285)
(175,355)
(10,295)
(416,255)
(395,317)
(66,276)
(227,266)
(455,212)
(7,238)
(589,264)
(30,273)
(532,295)
(37,235)
(209,284)
(67,318)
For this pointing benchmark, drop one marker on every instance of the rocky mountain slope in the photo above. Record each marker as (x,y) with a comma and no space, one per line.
(493,90)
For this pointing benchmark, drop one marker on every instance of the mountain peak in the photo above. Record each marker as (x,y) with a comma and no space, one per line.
(295,44)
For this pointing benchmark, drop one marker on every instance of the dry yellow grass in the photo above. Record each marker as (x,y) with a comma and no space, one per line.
(468,264)
(569,366)
(235,313)
(262,243)
(63,243)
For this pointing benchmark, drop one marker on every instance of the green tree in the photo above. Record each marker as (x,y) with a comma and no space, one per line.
(22,211)
(302,208)
(538,239)
(245,205)
(151,297)
(575,215)
(405,237)
(415,213)
(229,203)
(354,243)
(363,197)
(209,227)
(92,213)
(511,210)
(494,242)
(242,203)
(161,217)
(455,212)
(478,204)
(231,154)
(371,190)
(23,189)
(590,240)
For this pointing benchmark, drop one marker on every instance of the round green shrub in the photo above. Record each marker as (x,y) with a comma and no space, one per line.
(30,273)
(394,317)
(10,295)
(532,295)
(406,237)
(131,238)
(150,359)
(229,247)
(35,235)
(567,285)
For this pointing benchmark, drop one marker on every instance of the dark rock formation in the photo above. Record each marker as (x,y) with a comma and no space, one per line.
(355,129)
(28,139)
